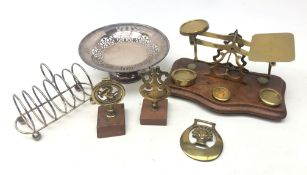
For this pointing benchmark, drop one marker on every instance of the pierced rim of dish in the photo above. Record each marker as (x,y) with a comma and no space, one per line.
(91,40)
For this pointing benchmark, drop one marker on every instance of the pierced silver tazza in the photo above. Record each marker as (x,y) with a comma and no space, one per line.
(124,49)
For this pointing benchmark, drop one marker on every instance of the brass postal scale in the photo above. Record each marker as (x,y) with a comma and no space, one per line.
(225,85)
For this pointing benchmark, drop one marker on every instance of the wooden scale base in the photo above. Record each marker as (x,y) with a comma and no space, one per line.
(244,96)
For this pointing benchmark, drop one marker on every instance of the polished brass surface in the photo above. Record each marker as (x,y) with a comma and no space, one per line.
(194,27)
(271,48)
(193,38)
(184,77)
(191,29)
(154,87)
(221,93)
(232,47)
(228,67)
(108,93)
(270,97)
(204,132)
(271,64)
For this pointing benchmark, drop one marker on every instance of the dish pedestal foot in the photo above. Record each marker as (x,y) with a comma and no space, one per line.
(125,78)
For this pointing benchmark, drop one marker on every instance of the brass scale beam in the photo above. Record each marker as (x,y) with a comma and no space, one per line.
(283,43)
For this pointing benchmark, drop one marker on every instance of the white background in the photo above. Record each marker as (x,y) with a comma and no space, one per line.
(32,32)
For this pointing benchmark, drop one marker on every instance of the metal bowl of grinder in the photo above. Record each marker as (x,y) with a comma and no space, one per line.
(124,49)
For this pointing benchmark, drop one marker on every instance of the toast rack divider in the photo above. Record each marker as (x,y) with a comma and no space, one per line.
(33,113)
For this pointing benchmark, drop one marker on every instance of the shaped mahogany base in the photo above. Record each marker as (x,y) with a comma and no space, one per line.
(151,117)
(244,96)
(111,126)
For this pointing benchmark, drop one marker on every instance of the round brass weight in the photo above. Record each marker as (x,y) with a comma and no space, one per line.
(270,97)
(184,77)
(221,93)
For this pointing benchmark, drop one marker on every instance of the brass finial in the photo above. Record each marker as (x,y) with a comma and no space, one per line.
(108,93)
(154,87)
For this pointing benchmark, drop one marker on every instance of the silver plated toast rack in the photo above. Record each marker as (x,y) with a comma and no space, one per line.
(62,94)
